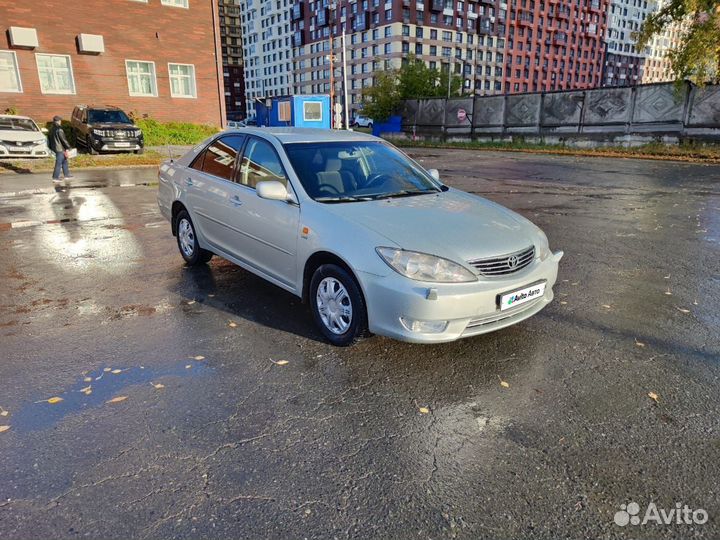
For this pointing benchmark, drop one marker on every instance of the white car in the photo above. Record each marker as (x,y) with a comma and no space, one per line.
(361,121)
(21,137)
(353,226)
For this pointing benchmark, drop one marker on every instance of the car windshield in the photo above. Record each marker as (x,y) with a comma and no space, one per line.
(100,116)
(18,124)
(357,171)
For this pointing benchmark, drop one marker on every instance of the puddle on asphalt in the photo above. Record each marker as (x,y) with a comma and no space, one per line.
(105,385)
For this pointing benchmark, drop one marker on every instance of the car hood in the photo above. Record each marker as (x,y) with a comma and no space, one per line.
(21,136)
(452,224)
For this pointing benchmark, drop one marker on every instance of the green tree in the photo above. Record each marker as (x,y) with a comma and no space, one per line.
(382,99)
(414,80)
(697,56)
(417,80)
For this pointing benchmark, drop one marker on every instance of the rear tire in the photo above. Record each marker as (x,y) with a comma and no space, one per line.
(369,125)
(337,305)
(188,243)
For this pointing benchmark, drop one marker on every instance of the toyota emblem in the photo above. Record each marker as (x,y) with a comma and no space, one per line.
(512,261)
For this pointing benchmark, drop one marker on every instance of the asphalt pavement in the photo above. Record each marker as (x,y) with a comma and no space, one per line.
(203,403)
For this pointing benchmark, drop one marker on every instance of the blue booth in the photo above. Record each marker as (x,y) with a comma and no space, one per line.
(309,111)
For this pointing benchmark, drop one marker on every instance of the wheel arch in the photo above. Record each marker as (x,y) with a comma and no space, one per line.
(177,207)
(319,258)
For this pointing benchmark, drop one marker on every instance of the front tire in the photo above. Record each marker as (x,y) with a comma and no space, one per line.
(337,305)
(187,241)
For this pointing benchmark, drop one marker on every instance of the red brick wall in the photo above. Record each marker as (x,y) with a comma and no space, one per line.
(132,30)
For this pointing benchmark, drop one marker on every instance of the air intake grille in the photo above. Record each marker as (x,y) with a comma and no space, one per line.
(505,264)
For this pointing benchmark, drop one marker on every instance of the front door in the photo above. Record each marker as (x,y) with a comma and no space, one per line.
(266,231)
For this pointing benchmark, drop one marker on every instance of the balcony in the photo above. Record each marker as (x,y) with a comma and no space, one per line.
(524,19)
(297,11)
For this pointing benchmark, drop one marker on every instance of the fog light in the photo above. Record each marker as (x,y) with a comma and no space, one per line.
(426,327)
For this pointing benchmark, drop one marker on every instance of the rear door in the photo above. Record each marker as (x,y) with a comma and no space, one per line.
(208,184)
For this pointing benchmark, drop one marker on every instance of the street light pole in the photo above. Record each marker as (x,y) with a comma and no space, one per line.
(345,89)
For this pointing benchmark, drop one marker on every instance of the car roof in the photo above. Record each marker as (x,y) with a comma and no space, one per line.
(305,135)
(15,116)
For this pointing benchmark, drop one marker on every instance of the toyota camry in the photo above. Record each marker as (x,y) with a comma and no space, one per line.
(367,237)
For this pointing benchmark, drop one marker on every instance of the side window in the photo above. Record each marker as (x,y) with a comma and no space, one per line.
(260,163)
(219,157)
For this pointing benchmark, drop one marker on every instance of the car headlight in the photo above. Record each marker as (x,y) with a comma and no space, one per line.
(543,246)
(424,267)
(40,142)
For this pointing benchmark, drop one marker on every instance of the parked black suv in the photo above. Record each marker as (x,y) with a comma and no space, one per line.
(105,129)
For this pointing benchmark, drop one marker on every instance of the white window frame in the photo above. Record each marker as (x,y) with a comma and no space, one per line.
(184,4)
(194,81)
(17,74)
(73,90)
(305,118)
(154,74)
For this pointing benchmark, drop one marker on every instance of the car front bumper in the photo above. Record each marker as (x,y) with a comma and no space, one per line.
(39,151)
(470,309)
(108,144)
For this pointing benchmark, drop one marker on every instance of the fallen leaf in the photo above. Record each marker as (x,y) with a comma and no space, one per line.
(232,324)
(3,412)
(198,357)
(424,410)
(107,369)
(87,379)
(639,343)
(191,302)
(505,384)
(87,390)
(606,306)
(653,396)
(211,296)
(4,428)
(682,310)
(117,399)
(54,400)
(668,293)
(563,302)
(116,371)
(157,386)
(279,362)
(667,277)
(188,366)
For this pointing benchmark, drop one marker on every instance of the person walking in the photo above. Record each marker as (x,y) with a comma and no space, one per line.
(58,143)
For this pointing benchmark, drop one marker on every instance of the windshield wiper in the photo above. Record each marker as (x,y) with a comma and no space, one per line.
(403,193)
(342,199)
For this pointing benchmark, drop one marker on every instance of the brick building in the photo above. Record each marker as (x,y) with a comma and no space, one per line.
(555,45)
(159,58)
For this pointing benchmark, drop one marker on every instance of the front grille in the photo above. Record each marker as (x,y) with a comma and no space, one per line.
(504,264)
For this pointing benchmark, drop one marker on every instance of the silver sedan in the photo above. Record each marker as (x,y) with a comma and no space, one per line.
(350,224)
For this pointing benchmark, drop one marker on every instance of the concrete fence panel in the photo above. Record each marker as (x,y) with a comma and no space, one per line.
(522,113)
(488,114)
(431,113)
(608,106)
(409,113)
(705,107)
(562,110)
(458,116)
(659,107)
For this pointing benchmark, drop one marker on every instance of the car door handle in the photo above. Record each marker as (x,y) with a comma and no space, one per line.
(188,181)
(235,200)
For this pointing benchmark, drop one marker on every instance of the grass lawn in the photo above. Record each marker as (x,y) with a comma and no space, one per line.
(83,161)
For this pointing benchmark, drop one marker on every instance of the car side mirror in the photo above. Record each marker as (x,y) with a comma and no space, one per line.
(434,173)
(44,130)
(272,190)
